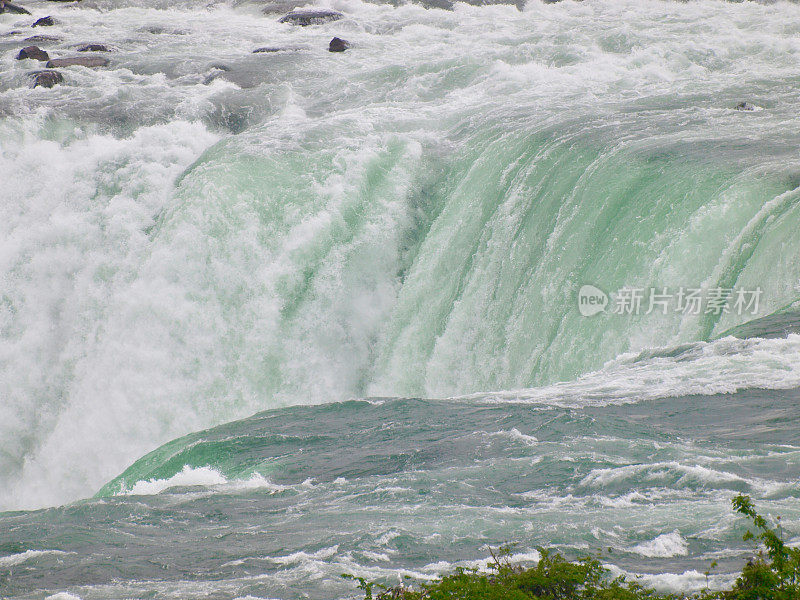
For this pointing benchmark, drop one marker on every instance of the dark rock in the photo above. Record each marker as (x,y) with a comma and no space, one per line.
(217,71)
(46,78)
(746,106)
(10,33)
(311,17)
(159,30)
(338,45)
(441,4)
(82,61)
(271,49)
(211,77)
(7,7)
(33,52)
(42,39)
(44,22)
(93,48)
(267,49)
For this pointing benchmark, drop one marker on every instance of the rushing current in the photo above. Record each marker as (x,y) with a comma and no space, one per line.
(267,318)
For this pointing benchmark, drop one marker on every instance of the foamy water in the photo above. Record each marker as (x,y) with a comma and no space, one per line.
(196,233)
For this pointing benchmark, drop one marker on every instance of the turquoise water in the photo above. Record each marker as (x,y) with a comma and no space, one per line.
(280,504)
(184,246)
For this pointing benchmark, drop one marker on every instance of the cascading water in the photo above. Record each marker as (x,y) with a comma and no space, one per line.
(183,245)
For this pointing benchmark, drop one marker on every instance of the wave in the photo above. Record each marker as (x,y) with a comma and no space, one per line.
(198,477)
(13,560)
(665,545)
(723,366)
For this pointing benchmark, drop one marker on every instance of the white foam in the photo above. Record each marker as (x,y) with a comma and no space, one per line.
(188,476)
(306,557)
(17,559)
(723,366)
(517,435)
(678,475)
(665,545)
(205,477)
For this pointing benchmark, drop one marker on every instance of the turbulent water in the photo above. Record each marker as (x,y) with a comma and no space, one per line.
(197,233)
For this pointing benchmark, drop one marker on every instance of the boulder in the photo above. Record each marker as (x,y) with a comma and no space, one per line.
(304,18)
(746,106)
(93,48)
(46,78)
(42,39)
(160,30)
(270,49)
(33,52)
(7,7)
(44,22)
(82,61)
(338,45)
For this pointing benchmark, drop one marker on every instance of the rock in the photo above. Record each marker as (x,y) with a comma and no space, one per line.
(46,78)
(310,17)
(746,106)
(270,49)
(441,4)
(12,32)
(44,22)
(42,39)
(82,61)
(217,71)
(277,49)
(7,7)
(33,52)
(159,30)
(338,45)
(93,48)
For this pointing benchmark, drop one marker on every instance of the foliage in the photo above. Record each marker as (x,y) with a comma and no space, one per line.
(774,572)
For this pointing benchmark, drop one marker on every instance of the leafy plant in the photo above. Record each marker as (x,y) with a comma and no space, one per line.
(774,572)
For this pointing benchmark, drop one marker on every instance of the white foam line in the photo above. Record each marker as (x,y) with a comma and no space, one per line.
(17,559)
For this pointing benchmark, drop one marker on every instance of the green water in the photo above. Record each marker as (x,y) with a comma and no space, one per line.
(197,234)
